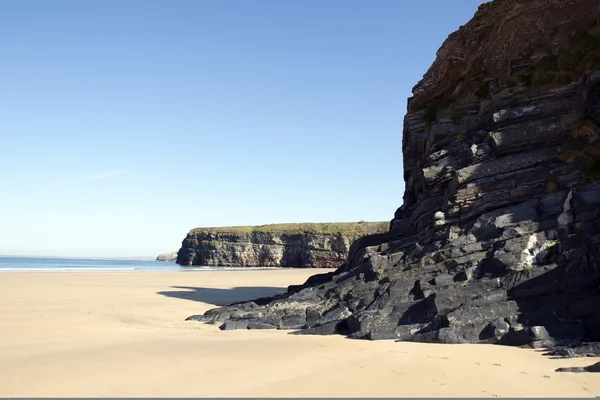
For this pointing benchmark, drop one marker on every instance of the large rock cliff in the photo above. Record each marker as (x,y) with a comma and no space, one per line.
(498,239)
(277,245)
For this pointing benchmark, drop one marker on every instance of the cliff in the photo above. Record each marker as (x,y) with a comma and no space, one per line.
(277,245)
(167,257)
(498,239)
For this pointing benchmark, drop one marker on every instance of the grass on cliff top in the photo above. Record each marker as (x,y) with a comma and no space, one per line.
(333,228)
(579,55)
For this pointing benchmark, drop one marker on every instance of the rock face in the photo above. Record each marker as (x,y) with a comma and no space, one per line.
(167,257)
(498,239)
(280,245)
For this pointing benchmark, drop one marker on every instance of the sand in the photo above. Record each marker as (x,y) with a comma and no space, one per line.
(123,334)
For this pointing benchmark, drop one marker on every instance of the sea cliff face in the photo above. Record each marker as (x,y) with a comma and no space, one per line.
(498,239)
(283,245)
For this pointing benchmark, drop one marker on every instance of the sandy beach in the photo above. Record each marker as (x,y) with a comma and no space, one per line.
(125,334)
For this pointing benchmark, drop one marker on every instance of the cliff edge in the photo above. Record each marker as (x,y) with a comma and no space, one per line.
(498,239)
(318,245)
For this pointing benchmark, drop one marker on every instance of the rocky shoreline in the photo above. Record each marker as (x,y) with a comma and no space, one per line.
(498,239)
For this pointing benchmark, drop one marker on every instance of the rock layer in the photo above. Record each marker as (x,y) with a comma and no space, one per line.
(498,239)
(281,245)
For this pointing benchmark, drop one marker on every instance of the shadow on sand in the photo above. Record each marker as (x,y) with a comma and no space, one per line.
(222,297)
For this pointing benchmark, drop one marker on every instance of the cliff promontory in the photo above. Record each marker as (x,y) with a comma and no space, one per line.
(167,257)
(498,239)
(277,245)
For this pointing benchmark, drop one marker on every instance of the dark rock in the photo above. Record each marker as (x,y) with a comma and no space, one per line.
(516,338)
(232,325)
(294,321)
(259,325)
(328,328)
(580,350)
(498,239)
(589,368)
(312,316)
(336,314)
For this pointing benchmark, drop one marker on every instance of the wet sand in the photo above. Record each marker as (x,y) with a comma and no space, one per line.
(124,334)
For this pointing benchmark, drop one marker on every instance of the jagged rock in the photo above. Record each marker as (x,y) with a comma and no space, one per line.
(517,259)
(278,245)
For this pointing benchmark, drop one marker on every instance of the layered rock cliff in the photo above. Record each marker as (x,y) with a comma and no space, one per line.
(277,245)
(498,239)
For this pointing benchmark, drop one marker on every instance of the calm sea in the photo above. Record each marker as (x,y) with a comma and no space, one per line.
(17,264)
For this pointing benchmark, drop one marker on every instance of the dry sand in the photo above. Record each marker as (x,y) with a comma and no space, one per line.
(124,334)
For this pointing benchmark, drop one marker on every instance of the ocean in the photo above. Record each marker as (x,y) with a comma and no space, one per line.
(31,264)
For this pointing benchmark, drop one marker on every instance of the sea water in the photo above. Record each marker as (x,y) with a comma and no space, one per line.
(31,264)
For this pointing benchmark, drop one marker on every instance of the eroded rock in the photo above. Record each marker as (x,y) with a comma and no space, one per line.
(498,239)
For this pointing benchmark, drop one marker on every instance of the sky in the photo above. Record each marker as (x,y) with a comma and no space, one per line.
(126,123)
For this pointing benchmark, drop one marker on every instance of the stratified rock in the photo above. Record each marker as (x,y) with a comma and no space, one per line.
(498,239)
(279,245)
(167,257)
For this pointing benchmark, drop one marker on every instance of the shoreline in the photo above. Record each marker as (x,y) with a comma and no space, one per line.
(157,270)
(119,334)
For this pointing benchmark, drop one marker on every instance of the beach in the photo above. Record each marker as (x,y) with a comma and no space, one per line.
(124,334)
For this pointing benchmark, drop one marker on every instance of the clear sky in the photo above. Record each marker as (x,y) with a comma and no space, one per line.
(125,123)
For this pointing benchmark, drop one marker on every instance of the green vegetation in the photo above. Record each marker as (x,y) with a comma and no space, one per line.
(547,245)
(334,228)
(433,109)
(380,274)
(578,56)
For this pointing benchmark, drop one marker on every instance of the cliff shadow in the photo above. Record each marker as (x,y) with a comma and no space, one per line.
(222,297)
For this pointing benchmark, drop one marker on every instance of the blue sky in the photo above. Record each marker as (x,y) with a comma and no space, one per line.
(123,124)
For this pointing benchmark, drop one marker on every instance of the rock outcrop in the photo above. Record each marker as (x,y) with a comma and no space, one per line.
(167,257)
(498,239)
(277,245)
